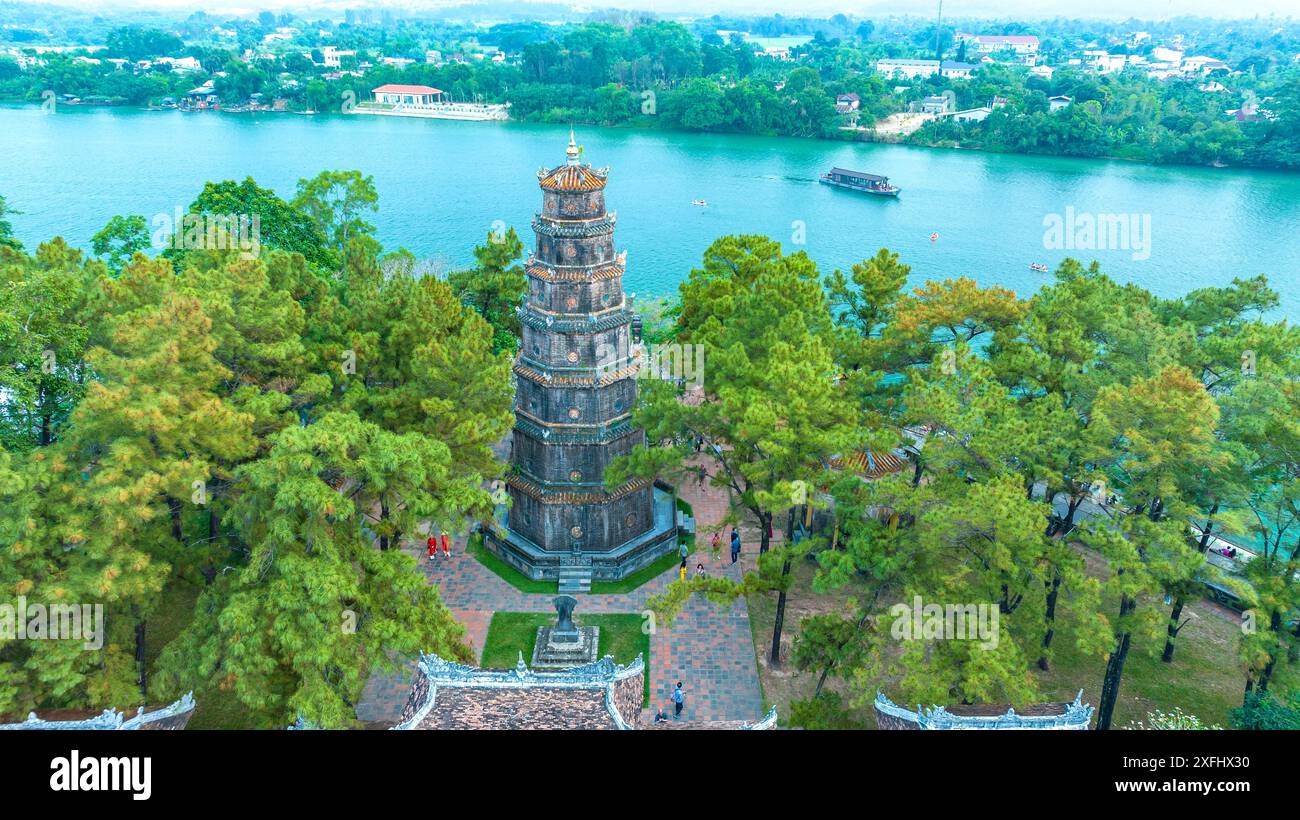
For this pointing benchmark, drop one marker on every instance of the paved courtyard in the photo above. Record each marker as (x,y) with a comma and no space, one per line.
(708,648)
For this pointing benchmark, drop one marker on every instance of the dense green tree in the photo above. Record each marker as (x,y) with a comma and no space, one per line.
(495,286)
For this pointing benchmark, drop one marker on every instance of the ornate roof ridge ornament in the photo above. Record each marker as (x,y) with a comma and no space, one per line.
(1075,715)
(109,719)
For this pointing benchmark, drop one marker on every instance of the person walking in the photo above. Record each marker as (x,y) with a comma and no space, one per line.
(735,545)
(679,700)
(446,544)
(715,546)
(433,548)
(683,551)
(681,571)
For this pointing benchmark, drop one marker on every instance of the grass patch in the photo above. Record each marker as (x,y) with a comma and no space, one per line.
(510,633)
(504,571)
(1205,678)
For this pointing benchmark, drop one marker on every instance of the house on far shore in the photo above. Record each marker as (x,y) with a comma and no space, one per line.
(934,105)
(1058,102)
(972,114)
(394,94)
(845,103)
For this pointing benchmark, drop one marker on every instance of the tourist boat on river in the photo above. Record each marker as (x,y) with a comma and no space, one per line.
(1038,267)
(859,181)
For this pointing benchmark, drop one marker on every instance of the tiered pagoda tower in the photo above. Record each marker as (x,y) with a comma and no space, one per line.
(576,388)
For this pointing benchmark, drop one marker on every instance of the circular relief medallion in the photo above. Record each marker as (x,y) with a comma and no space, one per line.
(569,207)
(573,356)
(630,520)
(574,412)
(570,251)
(575,475)
(571,303)
(576,532)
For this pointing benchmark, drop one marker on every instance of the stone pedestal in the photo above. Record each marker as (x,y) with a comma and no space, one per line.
(561,650)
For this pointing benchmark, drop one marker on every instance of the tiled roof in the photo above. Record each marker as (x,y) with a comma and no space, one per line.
(395,88)
(448,695)
(869,464)
(564,380)
(547,273)
(572,178)
(548,496)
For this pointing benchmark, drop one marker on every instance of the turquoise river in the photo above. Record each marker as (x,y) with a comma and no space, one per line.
(443,185)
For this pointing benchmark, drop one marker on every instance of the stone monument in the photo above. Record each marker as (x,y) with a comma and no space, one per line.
(565,644)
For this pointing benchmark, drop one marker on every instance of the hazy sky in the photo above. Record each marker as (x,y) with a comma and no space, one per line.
(1023,9)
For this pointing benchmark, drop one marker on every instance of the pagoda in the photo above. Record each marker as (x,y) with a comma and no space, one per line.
(575,391)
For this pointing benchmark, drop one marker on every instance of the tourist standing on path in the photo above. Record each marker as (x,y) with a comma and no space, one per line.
(715,546)
(679,700)
(433,548)
(446,544)
(681,571)
(735,545)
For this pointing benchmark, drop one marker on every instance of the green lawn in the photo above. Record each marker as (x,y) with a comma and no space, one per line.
(510,633)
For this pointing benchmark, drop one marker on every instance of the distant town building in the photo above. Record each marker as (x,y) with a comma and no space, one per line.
(394,94)
(972,114)
(1166,55)
(934,105)
(332,57)
(950,68)
(1024,46)
(909,69)
(1043,71)
(1204,66)
(846,103)
(1059,101)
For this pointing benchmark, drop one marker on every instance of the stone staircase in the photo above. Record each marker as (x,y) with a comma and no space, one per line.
(574,580)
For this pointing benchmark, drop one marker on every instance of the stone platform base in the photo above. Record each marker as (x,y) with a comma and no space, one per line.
(627,558)
(547,654)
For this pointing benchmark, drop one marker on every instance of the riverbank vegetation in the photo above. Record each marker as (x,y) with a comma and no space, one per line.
(772,76)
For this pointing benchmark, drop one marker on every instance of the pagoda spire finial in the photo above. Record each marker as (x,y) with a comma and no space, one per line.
(572,151)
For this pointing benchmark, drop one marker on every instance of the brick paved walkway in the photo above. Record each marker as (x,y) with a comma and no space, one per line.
(709,648)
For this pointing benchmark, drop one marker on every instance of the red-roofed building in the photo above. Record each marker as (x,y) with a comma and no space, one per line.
(393,94)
